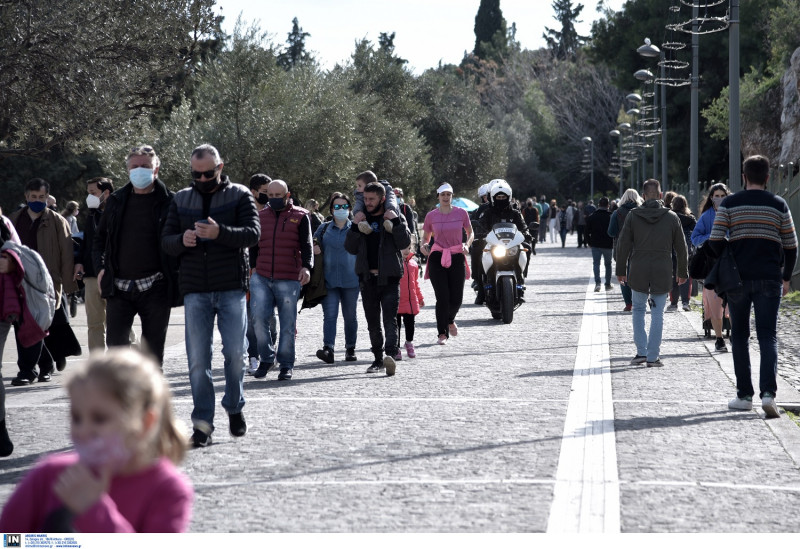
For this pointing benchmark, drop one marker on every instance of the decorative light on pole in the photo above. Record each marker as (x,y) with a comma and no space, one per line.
(650,50)
(616,135)
(588,141)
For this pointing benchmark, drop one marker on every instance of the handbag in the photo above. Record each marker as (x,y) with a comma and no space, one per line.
(701,263)
(724,276)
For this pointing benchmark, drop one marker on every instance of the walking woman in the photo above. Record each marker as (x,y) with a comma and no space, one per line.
(341,280)
(552,221)
(447,268)
(629,200)
(712,303)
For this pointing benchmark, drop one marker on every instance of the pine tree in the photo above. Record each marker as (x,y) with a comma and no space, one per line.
(564,44)
(295,52)
(491,39)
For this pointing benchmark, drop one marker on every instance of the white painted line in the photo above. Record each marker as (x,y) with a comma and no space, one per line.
(586,493)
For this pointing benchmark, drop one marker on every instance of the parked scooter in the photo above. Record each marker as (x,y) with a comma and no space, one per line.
(504,259)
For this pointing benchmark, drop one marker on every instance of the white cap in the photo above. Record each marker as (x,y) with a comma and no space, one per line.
(444,187)
(483,190)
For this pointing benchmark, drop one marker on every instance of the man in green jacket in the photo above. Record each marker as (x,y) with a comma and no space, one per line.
(648,237)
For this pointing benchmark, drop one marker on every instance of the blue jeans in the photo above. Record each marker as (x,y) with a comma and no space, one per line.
(765,296)
(265,296)
(348,297)
(230,308)
(648,345)
(252,341)
(605,253)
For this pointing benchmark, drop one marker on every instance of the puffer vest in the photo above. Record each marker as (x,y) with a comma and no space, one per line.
(279,255)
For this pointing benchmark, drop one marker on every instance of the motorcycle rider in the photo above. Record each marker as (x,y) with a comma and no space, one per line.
(502,211)
(477,247)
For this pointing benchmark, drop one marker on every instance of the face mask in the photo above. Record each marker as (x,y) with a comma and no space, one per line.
(277,204)
(92,202)
(340,214)
(717,200)
(262,199)
(103,451)
(206,186)
(500,204)
(36,206)
(141,177)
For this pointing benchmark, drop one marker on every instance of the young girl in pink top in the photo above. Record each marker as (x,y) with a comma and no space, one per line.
(121,477)
(410,301)
(447,267)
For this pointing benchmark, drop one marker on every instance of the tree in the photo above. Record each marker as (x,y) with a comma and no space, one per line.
(74,69)
(491,40)
(295,52)
(565,43)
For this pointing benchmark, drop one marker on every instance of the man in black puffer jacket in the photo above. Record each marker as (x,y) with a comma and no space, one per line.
(210,227)
(601,244)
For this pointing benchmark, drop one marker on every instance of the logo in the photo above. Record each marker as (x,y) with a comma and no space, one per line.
(12,540)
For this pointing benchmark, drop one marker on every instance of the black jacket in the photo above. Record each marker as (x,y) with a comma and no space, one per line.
(105,247)
(85,254)
(509,214)
(389,251)
(597,229)
(220,264)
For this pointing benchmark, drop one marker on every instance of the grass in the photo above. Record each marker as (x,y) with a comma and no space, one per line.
(792,298)
(794,417)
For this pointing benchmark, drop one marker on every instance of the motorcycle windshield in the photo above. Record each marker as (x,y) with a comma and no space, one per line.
(504,230)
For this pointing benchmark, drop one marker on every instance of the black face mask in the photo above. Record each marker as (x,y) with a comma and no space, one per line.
(500,204)
(207,186)
(262,199)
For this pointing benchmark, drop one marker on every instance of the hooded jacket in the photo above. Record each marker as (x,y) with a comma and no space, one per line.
(648,237)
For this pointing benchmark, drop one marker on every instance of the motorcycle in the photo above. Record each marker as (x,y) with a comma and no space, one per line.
(504,259)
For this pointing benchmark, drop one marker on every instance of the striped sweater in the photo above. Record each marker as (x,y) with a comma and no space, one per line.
(760,232)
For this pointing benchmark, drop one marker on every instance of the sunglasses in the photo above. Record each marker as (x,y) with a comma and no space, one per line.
(341,206)
(208,174)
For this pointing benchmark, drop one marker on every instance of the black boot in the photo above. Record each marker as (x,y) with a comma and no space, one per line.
(325,355)
(6,446)
(350,354)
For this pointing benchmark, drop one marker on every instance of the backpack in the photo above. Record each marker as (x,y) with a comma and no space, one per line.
(40,294)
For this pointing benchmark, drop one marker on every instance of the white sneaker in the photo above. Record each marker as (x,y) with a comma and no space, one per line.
(251,369)
(769,406)
(740,404)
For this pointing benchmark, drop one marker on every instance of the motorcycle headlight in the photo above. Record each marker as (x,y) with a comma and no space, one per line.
(513,251)
(499,251)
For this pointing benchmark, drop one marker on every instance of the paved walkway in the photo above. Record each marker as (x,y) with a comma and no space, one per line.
(537,426)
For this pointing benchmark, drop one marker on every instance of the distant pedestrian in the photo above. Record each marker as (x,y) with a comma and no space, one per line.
(688,223)
(70,213)
(630,199)
(552,221)
(649,236)
(411,300)
(580,224)
(763,241)
(563,223)
(543,216)
(601,244)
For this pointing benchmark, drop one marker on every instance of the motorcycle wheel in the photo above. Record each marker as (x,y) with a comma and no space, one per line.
(507,299)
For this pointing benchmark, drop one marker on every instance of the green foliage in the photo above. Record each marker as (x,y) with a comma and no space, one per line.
(491,40)
(295,52)
(783,33)
(564,44)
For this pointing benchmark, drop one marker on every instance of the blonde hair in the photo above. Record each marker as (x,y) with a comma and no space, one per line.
(135,381)
(630,195)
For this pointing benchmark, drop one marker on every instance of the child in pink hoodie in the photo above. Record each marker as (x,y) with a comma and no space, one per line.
(410,301)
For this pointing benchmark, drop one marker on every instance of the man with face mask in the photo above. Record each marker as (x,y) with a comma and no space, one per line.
(210,227)
(285,260)
(501,211)
(48,233)
(134,275)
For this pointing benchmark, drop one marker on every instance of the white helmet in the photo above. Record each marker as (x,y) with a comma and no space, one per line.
(483,190)
(499,186)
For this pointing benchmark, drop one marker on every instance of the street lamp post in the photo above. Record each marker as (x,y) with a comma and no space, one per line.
(694,191)
(734,137)
(588,141)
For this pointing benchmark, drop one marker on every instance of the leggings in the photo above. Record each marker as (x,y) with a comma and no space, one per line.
(448,286)
(409,322)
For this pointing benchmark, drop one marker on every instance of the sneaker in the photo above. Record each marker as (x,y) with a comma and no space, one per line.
(325,355)
(609,287)
(686,307)
(410,350)
(253,367)
(442,340)
(237,424)
(285,374)
(6,446)
(453,329)
(720,345)
(597,287)
(389,364)
(365,227)
(21,381)
(672,307)
(200,439)
(263,369)
(639,359)
(376,366)
(398,355)
(737,403)
(388,226)
(350,354)
(656,363)
(628,308)
(44,378)
(769,406)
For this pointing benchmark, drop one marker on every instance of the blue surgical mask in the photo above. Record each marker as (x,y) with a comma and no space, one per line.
(277,204)
(341,214)
(141,177)
(36,206)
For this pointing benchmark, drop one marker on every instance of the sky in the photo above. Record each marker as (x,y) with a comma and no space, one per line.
(427,31)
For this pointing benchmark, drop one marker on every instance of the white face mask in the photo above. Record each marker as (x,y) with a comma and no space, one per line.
(92,202)
(717,200)
(142,177)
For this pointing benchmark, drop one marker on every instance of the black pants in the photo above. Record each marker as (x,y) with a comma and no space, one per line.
(476,265)
(153,309)
(28,357)
(580,229)
(448,286)
(408,320)
(381,302)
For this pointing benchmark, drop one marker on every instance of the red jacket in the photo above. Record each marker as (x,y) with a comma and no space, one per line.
(280,247)
(410,292)
(15,307)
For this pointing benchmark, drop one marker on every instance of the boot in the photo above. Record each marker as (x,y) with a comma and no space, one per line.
(6,446)
(350,354)
(325,355)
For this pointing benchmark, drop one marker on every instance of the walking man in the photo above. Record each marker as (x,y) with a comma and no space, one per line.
(210,226)
(647,239)
(763,242)
(379,266)
(601,244)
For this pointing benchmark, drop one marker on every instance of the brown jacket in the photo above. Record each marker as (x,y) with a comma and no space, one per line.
(54,241)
